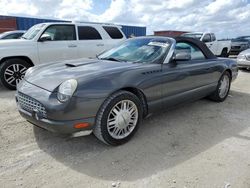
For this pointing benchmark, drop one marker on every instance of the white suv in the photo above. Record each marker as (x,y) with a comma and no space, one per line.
(49,42)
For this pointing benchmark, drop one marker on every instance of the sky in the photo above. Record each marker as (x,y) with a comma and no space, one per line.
(227,18)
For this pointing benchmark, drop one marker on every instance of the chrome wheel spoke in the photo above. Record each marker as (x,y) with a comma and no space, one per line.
(17,81)
(23,70)
(16,67)
(122,119)
(9,72)
(111,124)
(10,79)
(124,105)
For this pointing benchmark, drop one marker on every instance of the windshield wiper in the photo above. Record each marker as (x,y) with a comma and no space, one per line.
(111,59)
(23,38)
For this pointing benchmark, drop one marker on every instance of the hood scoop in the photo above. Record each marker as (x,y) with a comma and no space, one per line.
(78,64)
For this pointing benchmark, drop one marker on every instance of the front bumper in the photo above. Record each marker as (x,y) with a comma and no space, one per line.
(63,127)
(41,108)
(235,50)
(243,63)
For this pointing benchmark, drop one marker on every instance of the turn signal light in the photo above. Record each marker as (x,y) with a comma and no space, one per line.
(81,125)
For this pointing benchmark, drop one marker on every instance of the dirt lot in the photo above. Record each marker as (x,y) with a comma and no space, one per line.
(202,144)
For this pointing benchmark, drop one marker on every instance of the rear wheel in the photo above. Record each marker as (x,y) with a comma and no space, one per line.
(12,71)
(224,53)
(222,89)
(118,118)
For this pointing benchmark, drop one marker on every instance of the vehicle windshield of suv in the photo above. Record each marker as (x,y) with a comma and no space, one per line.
(192,35)
(32,32)
(143,50)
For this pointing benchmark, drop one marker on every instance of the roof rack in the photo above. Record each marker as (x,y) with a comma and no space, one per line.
(92,22)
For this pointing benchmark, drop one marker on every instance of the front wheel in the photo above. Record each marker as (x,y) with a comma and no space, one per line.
(12,71)
(118,118)
(222,89)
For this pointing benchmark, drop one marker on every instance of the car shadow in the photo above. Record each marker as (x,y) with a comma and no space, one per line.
(163,140)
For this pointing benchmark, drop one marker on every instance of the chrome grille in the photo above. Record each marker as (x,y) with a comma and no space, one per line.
(29,104)
(235,47)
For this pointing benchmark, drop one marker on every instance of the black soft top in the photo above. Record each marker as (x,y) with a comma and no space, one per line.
(201,45)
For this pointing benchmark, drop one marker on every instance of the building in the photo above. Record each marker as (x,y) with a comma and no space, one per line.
(169,33)
(8,23)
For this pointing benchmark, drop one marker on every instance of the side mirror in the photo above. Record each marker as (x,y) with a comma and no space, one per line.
(45,37)
(206,40)
(182,56)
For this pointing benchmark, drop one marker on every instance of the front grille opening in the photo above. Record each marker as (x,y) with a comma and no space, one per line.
(29,104)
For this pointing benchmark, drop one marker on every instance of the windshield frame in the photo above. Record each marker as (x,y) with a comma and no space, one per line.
(38,27)
(158,60)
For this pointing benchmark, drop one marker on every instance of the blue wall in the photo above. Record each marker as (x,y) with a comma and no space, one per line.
(25,23)
(133,30)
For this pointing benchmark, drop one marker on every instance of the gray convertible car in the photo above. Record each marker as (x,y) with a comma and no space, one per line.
(111,94)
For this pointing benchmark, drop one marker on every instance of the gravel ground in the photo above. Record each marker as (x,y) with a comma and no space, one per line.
(201,144)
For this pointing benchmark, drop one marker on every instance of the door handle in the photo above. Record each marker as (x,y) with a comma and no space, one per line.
(100,45)
(72,45)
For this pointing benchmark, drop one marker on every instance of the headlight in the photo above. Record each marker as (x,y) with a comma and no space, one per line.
(66,90)
(28,72)
(248,57)
(241,57)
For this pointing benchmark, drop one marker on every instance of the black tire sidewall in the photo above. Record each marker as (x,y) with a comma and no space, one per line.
(105,134)
(224,53)
(5,65)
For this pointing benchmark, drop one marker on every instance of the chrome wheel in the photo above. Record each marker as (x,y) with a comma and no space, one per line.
(122,119)
(224,86)
(14,73)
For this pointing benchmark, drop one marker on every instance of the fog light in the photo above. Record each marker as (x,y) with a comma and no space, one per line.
(81,125)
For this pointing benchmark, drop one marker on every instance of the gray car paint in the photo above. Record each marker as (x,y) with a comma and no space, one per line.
(162,84)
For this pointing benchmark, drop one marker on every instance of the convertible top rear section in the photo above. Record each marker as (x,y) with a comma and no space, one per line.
(199,44)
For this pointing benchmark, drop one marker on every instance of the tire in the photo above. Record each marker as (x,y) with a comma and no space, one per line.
(217,96)
(121,120)
(224,53)
(12,71)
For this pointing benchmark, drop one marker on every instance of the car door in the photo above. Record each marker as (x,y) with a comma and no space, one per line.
(213,45)
(57,42)
(187,79)
(90,42)
(207,39)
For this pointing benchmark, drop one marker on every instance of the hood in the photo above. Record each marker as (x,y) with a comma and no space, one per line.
(245,52)
(239,41)
(50,76)
(13,42)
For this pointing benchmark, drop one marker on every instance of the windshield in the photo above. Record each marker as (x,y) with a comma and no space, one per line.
(243,38)
(32,32)
(192,35)
(140,50)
